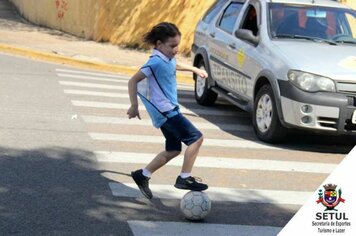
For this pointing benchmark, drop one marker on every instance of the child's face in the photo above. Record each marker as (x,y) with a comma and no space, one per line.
(170,47)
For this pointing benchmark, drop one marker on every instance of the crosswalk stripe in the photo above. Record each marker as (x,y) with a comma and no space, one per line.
(216,194)
(90,73)
(118,80)
(218,162)
(158,139)
(147,122)
(99,76)
(181,90)
(141,108)
(160,228)
(186,86)
(85,77)
(112,95)
(95,94)
(92,85)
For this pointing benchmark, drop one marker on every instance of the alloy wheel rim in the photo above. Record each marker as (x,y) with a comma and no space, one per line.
(264,113)
(200,84)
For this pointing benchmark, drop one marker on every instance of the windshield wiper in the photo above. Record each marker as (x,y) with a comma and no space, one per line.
(352,41)
(314,39)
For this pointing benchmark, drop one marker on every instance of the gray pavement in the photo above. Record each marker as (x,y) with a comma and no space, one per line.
(49,181)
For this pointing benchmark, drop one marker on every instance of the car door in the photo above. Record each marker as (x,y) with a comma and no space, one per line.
(222,46)
(247,53)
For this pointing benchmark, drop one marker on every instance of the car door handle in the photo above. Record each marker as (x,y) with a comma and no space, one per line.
(212,34)
(232,45)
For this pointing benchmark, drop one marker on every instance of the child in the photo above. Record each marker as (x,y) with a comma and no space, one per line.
(155,83)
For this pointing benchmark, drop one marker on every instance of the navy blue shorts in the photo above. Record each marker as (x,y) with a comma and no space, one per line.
(178,129)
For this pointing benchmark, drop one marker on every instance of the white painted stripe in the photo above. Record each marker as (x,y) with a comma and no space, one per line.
(91,85)
(164,228)
(119,80)
(85,77)
(186,86)
(216,194)
(158,139)
(197,112)
(120,76)
(95,94)
(113,95)
(181,89)
(91,73)
(147,122)
(218,162)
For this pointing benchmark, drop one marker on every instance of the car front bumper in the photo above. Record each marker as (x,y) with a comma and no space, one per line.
(320,111)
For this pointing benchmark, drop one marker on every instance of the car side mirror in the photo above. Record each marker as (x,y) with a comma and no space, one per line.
(247,35)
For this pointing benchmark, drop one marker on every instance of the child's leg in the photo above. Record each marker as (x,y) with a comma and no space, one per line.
(161,159)
(186,132)
(142,176)
(190,155)
(185,180)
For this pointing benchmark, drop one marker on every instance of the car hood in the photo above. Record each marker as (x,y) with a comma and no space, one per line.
(334,61)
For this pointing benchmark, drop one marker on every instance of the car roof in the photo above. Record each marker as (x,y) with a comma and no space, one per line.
(324,3)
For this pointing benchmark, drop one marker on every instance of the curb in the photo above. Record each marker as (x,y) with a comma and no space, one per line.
(55,58)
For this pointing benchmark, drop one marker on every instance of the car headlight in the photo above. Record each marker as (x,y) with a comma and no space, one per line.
(311,82)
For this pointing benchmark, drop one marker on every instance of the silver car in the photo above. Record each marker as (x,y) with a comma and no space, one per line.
(291,63)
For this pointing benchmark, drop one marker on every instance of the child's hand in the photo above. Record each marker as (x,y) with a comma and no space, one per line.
(202,73)
(133,112)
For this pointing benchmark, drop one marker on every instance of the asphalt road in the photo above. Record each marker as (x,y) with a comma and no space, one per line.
(67,148)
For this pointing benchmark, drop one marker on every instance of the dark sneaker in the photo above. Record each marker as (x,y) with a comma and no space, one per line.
(190,183)
(142,183)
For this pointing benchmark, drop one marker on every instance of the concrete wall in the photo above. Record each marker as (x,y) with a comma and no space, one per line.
(118,21)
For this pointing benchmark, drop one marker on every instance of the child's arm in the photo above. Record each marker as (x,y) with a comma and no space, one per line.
(185,67)
(133,110)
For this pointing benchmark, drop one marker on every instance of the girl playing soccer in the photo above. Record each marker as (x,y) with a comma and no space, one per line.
(155,83)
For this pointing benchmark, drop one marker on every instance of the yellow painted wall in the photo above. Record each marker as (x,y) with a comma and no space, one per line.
(126,21)
(116,21)
(73,16)
(120,22)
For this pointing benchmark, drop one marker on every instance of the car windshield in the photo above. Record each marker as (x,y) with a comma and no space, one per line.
(328,24)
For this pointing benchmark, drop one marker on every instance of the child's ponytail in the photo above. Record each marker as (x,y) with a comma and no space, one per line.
(161,32)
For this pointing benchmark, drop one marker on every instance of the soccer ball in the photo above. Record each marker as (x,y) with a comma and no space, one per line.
(195,205)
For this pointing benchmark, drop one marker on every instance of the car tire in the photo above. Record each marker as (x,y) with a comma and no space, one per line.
(203,94)
(266,123)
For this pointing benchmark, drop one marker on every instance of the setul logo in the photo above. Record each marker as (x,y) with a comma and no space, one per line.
(330,198)
(330,221)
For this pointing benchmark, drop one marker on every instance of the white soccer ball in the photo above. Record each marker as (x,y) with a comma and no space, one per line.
(195,205)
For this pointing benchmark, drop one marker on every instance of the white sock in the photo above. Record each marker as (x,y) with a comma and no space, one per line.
(146,173)
(184,175)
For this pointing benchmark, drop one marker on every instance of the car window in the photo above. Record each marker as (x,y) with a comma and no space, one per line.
(250,21)
(312,21)
(229,17)
(213,11)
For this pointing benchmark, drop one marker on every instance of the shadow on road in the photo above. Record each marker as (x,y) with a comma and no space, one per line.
(55,191)
(59,191)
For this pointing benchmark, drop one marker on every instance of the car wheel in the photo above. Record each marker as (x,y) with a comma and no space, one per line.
(266,122)
(203,94)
